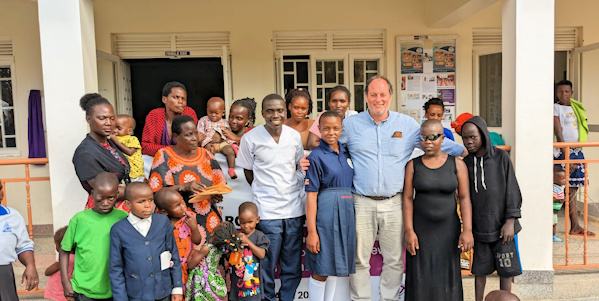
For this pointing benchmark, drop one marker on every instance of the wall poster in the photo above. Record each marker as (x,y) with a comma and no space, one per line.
(426,69)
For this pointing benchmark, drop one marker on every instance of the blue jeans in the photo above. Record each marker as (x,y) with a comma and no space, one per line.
(285,237)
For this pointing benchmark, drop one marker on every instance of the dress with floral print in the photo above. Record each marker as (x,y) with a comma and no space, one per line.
(206,282)
(171,169)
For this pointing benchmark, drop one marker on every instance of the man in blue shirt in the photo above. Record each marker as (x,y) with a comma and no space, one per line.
(380,143)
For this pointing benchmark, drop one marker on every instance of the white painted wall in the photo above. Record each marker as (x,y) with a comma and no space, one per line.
(69,72)
(19,20)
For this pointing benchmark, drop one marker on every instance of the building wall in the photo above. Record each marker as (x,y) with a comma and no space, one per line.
(19,20)
(251,25)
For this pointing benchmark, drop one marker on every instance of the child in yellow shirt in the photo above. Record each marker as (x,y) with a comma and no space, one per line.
(123,139)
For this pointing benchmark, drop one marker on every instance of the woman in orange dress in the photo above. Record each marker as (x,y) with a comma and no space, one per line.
(189,169)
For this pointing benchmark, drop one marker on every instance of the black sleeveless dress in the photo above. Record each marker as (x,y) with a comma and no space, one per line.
(434,272)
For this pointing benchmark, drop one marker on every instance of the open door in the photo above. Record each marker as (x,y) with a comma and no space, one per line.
(227,79)
(124,99)
(584,66)
(114,82)
(279,84)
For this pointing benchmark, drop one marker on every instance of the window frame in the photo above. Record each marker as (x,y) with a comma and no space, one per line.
(8,61)
(366,57)
(476,54)
(323,47)
(330,57)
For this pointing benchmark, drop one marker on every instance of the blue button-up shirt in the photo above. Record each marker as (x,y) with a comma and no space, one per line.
(380,151)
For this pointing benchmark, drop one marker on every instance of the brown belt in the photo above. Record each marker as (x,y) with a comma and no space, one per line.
(379,198)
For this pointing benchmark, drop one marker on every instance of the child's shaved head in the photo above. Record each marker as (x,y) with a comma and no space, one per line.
(164,197)
(125,125)
(215,109)
(129,120)
(248,206)
(216,102)
(433,124)
(133,188)
(106,180)
(105,190)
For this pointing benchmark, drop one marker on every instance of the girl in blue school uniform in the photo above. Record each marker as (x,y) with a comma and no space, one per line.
(330,216)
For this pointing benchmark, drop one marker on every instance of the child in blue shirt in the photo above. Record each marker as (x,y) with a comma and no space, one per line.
(435,109)
(330,214)
(144,259)
(14,243)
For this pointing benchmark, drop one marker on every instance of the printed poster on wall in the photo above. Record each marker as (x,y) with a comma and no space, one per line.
(411,57)
(444,56)
(426,70)
(447,96)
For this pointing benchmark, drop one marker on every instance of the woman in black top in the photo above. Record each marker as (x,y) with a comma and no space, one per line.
(432,226)
(96,153)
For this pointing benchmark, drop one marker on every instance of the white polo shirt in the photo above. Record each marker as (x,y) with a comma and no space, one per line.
(278,181)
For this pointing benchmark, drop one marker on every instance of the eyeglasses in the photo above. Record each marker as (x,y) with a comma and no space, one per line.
(431,137)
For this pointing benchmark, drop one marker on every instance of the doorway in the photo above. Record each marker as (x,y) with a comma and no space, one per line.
(203,78)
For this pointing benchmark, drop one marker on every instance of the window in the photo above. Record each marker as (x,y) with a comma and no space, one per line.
(329,74)
(363,70)
(490,88)
(7,122)
(295,73)
(320,75)
(321,60)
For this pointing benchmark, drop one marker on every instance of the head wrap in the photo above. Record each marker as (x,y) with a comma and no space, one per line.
(457,124)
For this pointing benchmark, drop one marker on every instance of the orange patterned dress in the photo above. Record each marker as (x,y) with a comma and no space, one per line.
(182,234)
(171,169)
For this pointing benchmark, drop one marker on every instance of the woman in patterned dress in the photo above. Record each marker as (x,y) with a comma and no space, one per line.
(189,169)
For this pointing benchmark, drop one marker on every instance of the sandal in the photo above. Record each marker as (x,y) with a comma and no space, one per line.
(581,233)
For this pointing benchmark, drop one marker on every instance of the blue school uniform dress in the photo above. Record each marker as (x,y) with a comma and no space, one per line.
(331,174)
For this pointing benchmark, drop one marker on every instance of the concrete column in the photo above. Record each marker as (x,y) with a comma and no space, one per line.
(527,93)
(69,70)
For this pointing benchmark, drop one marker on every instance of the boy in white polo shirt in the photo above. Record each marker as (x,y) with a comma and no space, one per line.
(270,156)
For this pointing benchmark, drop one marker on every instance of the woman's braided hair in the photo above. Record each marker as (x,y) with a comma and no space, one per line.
(250,104)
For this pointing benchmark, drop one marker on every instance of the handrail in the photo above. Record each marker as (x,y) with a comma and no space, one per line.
(506,148)
(567,162)
(26,179)
(575,144)
(24,161)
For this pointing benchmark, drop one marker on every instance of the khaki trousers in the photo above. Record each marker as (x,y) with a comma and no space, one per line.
(385,219)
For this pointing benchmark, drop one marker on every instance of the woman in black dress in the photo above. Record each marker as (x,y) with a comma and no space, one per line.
(97,153)
(432,226)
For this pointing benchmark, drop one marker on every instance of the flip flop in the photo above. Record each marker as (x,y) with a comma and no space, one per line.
(589,234)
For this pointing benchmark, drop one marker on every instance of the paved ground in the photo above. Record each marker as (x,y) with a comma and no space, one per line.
(579,285)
